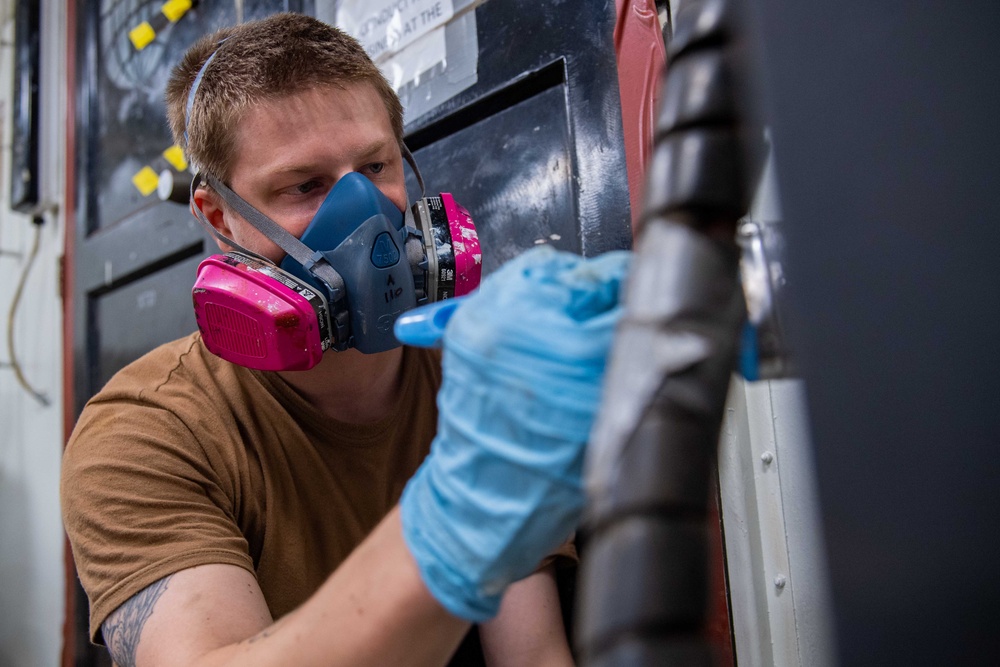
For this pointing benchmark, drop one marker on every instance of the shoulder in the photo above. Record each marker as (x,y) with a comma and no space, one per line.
(156,412)
(170,410)
(154,477)
(177,385)
(183,364)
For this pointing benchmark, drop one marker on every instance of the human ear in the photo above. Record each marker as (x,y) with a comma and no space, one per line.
(210,204)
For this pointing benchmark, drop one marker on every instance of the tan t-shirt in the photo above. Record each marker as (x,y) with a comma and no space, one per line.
(184,459)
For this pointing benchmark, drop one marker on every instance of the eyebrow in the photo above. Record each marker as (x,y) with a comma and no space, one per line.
(367,152)
(374,148)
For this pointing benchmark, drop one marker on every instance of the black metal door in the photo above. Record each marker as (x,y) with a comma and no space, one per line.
(534,149)
(134,255)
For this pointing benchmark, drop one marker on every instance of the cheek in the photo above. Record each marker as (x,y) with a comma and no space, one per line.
(251,239)
(396,194)
(394,187)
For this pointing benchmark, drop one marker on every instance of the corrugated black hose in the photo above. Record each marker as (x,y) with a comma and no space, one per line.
(643,585)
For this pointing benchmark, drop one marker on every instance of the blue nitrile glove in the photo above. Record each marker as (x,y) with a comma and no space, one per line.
(523,361)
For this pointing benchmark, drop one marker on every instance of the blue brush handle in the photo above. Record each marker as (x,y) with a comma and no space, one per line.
(424,326)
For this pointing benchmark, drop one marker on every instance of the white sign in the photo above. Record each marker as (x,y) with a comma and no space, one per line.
(419,57)
(385,26)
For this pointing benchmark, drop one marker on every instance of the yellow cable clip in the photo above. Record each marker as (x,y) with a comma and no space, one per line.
(175,156)
(142,35)
(146,181)
(175,9)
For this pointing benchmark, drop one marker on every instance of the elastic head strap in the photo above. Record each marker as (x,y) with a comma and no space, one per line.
(200,216)
(408,156)
(313,261)
(193,92)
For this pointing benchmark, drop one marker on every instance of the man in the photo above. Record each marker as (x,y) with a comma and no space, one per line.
(208,504)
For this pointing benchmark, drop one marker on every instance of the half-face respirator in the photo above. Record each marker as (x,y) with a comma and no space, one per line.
(358,266)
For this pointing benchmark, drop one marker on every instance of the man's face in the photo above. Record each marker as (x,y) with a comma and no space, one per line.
(291,151)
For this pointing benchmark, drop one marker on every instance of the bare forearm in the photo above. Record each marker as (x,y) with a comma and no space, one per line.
(529,629)
(374,610)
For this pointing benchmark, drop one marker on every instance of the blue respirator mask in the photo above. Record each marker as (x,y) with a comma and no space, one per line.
(358,266)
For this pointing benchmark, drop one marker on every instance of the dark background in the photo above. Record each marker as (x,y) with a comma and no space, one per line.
(885,129)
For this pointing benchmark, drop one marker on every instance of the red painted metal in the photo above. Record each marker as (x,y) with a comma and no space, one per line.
(641,60)
(718,626)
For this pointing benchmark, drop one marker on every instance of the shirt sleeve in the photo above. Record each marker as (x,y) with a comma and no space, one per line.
(143,498)
(564,556)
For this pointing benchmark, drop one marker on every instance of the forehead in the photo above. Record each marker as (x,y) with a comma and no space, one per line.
(313,123)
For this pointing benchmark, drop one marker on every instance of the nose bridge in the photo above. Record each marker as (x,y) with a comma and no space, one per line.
(343,169)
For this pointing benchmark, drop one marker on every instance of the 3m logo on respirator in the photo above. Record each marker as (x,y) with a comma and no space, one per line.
(385,253)
(386,322)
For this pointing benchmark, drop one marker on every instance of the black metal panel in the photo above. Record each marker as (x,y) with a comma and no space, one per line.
(522,195)
(886,150)
(122,234)
(126,128)
(135,257)
(24,134)
(535,148)
(143,312)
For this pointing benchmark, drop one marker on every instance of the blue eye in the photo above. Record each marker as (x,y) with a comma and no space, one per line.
(307,187)
(376,167)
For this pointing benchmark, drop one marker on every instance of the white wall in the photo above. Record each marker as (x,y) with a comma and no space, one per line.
(31,436)
(778,587)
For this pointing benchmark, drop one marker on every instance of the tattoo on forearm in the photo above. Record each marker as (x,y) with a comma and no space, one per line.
(123,628)
(266,632)
(263,634)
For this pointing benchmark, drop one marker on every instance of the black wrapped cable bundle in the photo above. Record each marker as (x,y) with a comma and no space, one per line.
(643,585)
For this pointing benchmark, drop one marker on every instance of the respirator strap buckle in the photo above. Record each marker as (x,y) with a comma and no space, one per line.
(315,259)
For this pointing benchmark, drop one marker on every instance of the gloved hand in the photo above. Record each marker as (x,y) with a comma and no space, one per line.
(523,362)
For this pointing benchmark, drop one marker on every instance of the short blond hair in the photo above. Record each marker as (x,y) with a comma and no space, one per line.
(258,61)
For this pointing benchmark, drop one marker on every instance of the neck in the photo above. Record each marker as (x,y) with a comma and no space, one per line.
(350,386)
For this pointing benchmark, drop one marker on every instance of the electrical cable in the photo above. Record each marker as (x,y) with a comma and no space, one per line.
(11,352)
(644,579)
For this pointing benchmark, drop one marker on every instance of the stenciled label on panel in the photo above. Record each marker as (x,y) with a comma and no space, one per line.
(385,27)
(427,49)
